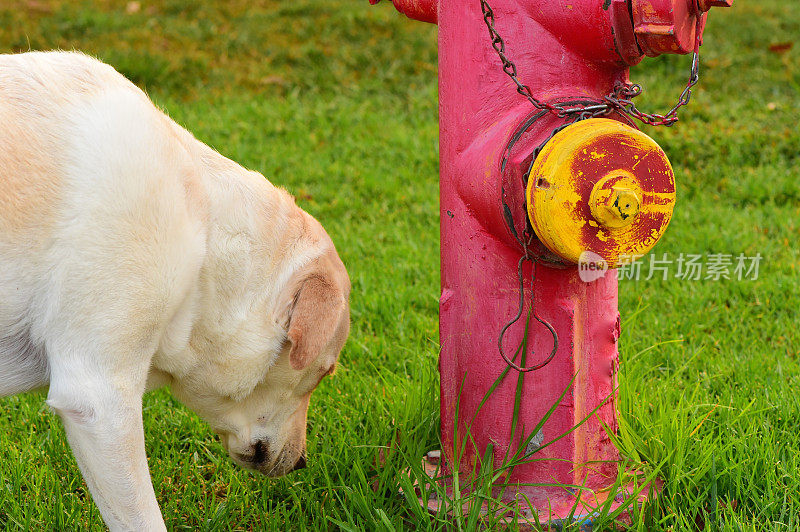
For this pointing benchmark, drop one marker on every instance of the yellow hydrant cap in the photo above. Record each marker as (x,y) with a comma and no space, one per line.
(600,186)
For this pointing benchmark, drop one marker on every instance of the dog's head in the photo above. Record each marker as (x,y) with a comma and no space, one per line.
(317,322)
(262,362)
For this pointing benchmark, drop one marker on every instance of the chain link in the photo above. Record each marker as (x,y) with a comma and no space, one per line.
(620,99)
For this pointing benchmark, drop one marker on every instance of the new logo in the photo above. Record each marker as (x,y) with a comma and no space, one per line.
(591,266)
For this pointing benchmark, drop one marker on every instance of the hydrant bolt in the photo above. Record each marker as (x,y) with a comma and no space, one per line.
(706,5)
(615,207)
(626,204)
(670,26)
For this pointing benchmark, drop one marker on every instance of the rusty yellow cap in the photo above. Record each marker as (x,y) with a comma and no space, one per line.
(600,186)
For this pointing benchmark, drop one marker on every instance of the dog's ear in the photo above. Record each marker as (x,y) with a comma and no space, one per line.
(319,316)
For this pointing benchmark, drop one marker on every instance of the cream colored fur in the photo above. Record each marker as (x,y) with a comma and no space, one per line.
(133,256)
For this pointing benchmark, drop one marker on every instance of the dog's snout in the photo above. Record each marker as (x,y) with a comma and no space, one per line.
(300,464)
(260,452)
(258,455)
(267,458)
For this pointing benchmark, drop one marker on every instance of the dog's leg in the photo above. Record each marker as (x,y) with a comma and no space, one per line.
(101,408)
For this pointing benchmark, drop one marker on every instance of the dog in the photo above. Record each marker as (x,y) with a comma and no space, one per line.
(133,256)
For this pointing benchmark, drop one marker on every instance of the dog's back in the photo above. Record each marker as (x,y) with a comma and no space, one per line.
(51,105)
(84,158)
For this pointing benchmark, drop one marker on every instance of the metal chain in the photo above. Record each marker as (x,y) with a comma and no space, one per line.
(620,99)
(527,238)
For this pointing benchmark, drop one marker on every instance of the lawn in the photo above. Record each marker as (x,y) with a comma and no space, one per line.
(336,101)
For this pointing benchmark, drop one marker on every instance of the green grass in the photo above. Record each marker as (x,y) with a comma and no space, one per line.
(337,102)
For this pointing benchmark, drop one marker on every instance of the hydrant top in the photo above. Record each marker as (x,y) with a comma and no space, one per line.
(634,27)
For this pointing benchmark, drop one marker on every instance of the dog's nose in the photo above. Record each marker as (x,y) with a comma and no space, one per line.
(260,452)
(300,464)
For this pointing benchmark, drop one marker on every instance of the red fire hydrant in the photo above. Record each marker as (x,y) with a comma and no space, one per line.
(545,185)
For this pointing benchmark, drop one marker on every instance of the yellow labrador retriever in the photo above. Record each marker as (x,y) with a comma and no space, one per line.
(133,256)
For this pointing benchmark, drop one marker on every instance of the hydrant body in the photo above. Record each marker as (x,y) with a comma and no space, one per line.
(479,113)
(574,52)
